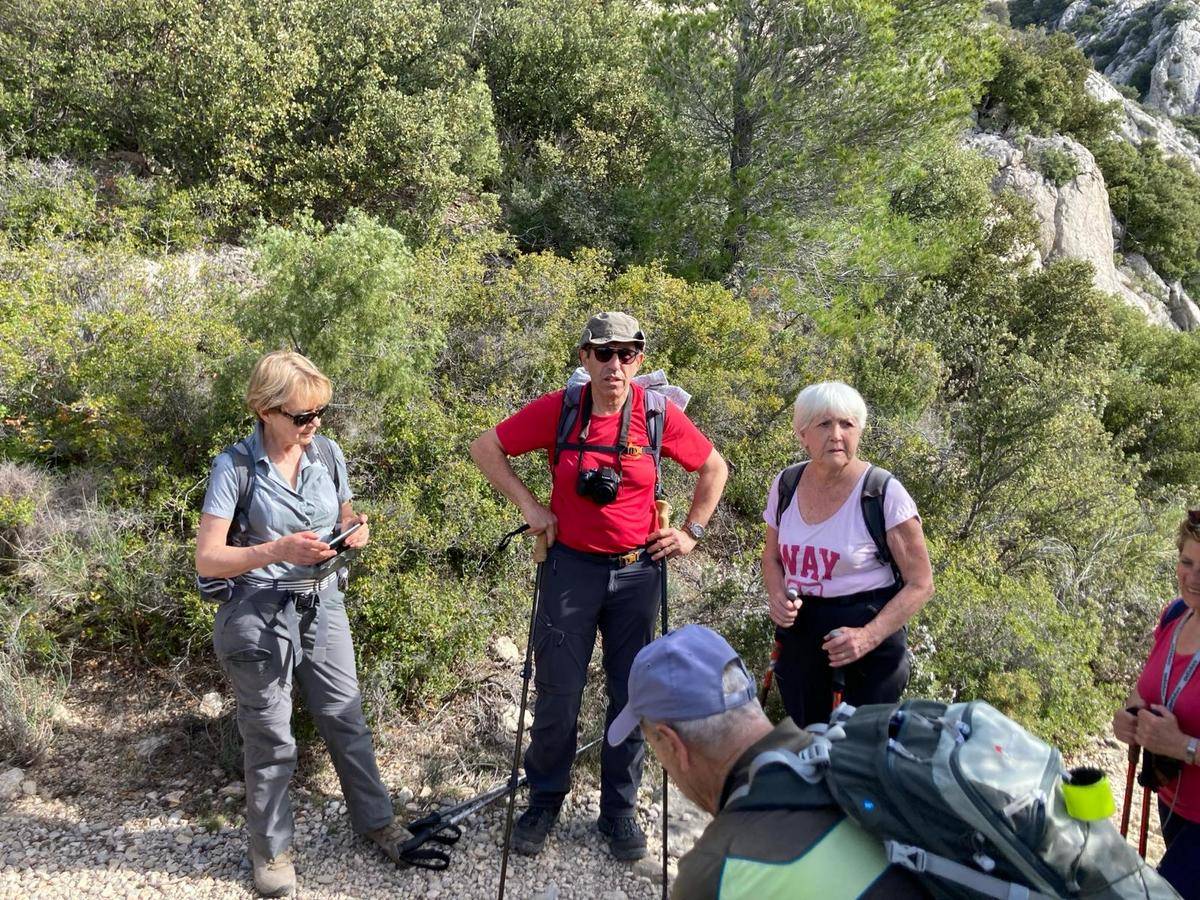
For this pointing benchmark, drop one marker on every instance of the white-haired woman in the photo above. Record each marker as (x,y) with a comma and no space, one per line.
(288,490)
(846,628)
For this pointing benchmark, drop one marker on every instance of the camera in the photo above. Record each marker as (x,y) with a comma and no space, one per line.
(598,485)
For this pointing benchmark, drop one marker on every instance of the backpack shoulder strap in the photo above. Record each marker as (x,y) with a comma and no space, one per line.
(243,470)
(655,404)
(785,779)
(324,448)
(567,416)
(789,478)
(1172,612)
(873,493)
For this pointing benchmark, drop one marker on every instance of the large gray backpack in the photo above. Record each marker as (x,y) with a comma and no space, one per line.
(970,801)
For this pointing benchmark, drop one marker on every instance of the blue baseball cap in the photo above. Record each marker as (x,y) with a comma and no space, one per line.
(677,678)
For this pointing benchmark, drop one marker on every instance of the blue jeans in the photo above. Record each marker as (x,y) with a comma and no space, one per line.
(1181,863)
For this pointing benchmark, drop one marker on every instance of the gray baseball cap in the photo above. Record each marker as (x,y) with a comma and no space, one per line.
(606,327)
(678,678)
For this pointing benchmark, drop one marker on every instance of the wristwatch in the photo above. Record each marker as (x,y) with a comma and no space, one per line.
(695,529)
(1193,745)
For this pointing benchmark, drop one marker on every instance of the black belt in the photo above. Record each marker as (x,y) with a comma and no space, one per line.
(615,560)
(877,595)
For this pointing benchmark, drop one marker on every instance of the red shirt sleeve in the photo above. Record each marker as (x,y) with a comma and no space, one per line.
(682,440)
(532,427)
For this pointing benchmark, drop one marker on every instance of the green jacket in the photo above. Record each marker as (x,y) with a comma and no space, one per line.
(785,839)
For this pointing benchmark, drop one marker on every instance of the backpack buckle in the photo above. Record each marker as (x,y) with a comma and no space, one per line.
(912,858)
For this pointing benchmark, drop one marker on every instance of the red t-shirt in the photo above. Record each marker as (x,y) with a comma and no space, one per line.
(1187,709)
(623,524)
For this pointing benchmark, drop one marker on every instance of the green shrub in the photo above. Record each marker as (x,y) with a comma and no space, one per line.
(260,109)
(56,200)
(1037,12)
(28,696)
(1157,198)
(1040,86)
(1058,166)
(1176,11)
(577,120)
(1008,640)
(1139,78)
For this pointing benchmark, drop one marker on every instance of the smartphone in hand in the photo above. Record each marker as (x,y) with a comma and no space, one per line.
(335,543)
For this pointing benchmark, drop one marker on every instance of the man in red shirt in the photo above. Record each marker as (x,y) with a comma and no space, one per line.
(603,570)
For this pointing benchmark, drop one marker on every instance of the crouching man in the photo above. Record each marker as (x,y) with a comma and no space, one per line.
(773,835)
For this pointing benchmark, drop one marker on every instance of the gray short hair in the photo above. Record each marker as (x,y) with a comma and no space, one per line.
(827,397)
(712,732)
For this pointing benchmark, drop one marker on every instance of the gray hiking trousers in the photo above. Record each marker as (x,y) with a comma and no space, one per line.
(254,634)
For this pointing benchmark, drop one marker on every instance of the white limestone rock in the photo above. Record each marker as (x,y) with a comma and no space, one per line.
(10,782)
(1073,217)
(1140,123)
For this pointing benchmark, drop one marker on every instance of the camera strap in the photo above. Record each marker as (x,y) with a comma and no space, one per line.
(1169,701)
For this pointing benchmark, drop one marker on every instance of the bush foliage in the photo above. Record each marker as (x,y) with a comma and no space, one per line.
(429,199)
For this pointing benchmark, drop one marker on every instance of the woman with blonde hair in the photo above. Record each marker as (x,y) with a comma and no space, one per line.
(285,491)
(840,589)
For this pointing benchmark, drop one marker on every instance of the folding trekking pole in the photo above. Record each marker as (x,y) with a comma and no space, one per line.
(540,550)
(769,675)
(442,827)
(1130,777)
(1145,822)
(838,675)
(663,511)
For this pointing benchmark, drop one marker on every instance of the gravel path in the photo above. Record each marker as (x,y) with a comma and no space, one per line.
(132,801)
(139,798)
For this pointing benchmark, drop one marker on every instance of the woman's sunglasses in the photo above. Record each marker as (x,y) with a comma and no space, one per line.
(625,354)
(302,419)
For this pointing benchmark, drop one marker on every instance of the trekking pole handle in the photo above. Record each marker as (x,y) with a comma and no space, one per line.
(541,547)
(663,510)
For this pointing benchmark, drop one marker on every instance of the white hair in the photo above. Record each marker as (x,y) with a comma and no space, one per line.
(825,398)
(711,733)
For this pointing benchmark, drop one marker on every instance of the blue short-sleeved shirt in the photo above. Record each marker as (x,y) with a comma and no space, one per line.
(276,510)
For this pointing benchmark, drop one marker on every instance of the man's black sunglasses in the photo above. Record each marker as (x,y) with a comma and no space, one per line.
(625,354)
(302,419)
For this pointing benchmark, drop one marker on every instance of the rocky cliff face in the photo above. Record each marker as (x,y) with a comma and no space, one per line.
(1151,45)
(1065,188)
(1141,123)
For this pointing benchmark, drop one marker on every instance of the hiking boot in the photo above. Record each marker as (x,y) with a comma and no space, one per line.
(274,877)
(531,829)
(390,838)
(626,840)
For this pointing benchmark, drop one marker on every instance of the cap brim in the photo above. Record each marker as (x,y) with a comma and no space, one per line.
(597,341)
(623,725)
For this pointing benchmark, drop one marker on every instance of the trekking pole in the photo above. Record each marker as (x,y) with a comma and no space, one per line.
(838,676)
(540,550)
(663,511)
(1130,777)
(442,827)
(769,675)
(1145,822)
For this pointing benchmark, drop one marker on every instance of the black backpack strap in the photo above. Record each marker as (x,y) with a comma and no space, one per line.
(1172,612)
(656,422)
(243,470)
(620,448)
(324,448)
(789,478)
(873,492)
(567,414)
